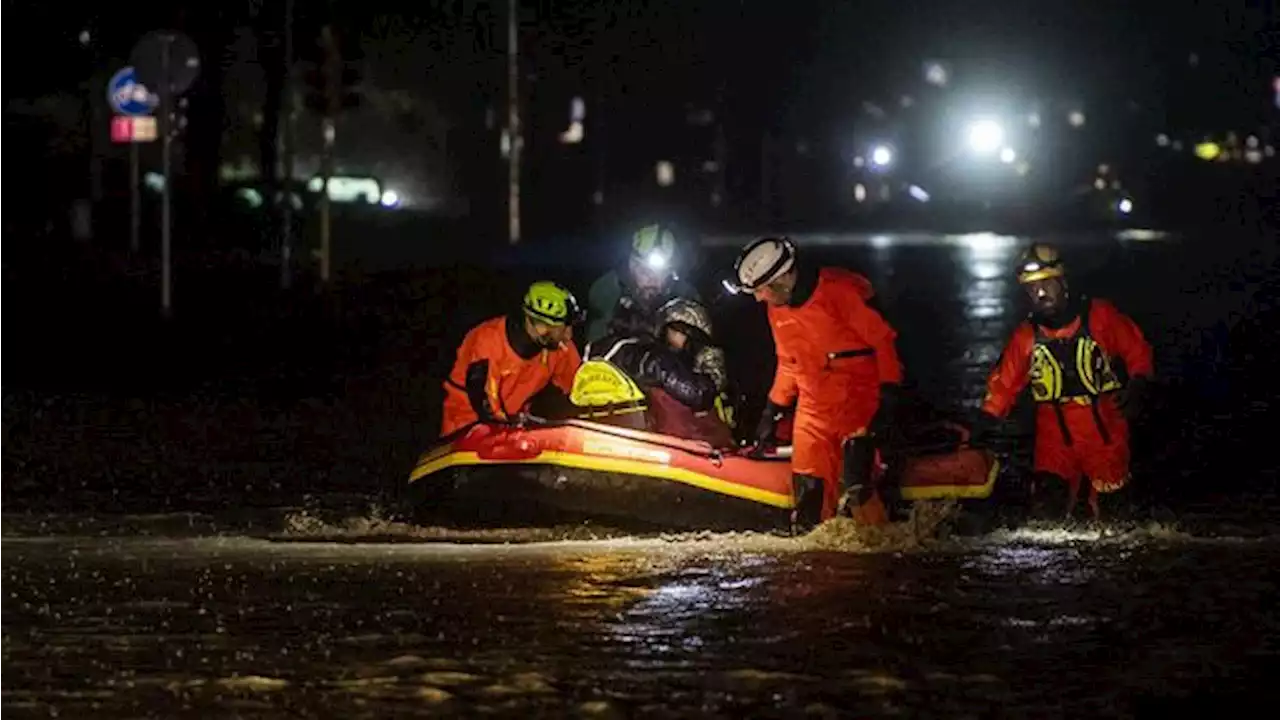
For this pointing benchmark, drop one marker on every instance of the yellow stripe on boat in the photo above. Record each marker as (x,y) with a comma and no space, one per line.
(955,492)
(435,463)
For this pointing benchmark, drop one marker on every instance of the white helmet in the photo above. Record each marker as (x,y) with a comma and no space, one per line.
(762,262)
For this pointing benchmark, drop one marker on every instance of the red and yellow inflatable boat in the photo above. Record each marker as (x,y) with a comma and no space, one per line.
(508,473)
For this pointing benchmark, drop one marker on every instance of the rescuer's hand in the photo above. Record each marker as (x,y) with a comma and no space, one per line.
(1132,397)
(885,421)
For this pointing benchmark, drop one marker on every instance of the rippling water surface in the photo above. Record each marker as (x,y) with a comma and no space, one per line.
(284,611)
(1047,622)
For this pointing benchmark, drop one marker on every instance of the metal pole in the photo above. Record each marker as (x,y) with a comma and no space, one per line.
(286,231)
(326,233)
(135,201)
(513,123)
(332,69)
(166,105)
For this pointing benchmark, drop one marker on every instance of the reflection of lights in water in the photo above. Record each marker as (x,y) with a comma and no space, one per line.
(860,192)
(666,619)
(985,270)
(1052,558)
(1142,235)
(987,245)
(987,263)
(881,242)
(985,310)
(918,193)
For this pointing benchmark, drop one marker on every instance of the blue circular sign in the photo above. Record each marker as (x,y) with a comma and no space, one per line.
(127,96)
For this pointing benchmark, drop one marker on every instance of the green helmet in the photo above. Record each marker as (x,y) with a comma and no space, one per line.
(551,303)
(655,245)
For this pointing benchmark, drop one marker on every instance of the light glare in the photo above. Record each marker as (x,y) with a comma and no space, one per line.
(985,136)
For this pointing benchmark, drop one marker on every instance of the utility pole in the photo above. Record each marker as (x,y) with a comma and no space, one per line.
(332,78)
(166,151)
(514,139)
(290,115)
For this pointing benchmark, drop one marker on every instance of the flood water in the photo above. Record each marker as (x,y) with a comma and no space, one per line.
(332,611)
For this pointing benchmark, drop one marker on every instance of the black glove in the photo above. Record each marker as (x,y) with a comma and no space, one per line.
(984,427)
(1132,397)
(655,365)
(884,423)
(477,376)
(768,425)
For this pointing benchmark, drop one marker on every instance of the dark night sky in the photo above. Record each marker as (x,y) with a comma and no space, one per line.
(801,66)
(810,50)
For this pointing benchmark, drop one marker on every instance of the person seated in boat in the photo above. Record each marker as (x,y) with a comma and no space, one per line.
(685,326)
(504,362)
(678,379)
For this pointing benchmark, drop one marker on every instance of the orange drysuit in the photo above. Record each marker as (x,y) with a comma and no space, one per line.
(518,368)
(1080,429)
(834,352)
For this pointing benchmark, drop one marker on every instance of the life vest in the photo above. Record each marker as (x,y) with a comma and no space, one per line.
(1072,370)
(724,407)
(725,410)
(605,391)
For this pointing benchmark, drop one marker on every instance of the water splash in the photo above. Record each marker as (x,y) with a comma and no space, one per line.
(925,527)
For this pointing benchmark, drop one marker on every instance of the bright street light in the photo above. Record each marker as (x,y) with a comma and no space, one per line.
(985,136)
(1007,155)
(881,156)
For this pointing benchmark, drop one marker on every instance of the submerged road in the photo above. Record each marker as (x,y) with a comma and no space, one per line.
(1048,624)
(266,614)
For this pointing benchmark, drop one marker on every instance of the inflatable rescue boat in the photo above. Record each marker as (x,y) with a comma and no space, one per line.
(535,470)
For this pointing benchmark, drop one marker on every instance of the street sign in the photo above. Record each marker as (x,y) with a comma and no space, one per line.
(127,96)
(133,129)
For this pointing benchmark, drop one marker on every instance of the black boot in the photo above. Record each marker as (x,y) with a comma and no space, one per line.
(1050,498)
(1116,506)
(856,479)
(808,512)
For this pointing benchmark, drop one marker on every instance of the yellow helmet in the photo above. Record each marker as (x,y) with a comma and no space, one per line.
(1041,261)
(551,303)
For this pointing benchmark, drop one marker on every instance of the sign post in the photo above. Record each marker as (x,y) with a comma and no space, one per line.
(168,60)
(513,123)
(133,123)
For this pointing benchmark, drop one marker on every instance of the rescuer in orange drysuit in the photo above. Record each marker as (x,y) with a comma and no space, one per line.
(1067,351)
(505,361)
(837,363)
